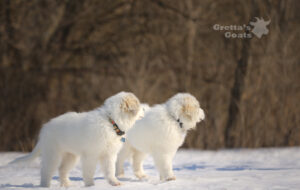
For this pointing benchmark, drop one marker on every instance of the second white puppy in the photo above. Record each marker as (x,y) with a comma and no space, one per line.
(160,133)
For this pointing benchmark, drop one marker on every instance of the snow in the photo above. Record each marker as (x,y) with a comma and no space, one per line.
(273,168)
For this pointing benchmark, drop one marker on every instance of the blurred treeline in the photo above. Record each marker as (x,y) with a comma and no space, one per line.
(69,55)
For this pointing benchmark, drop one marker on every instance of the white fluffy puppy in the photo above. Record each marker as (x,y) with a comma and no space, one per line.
(92,136)
(160,133)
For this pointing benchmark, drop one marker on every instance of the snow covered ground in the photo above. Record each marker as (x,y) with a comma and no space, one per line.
(275,169)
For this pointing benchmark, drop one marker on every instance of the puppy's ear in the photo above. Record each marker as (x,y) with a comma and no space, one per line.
(129,104)
(188,110)
(124,105)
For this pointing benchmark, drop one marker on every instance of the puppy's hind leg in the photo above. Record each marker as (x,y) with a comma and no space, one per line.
(138,159)
(124,153)
(50,163)
(68,162)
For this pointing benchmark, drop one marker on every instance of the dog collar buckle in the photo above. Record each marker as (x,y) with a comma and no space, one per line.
(116,127)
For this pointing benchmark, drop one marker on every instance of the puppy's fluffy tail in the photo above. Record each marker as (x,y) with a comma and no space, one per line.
(28,158)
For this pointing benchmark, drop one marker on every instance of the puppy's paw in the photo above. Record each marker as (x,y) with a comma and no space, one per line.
(171,178)
(141,175)
(88,184)
(65,183)
(114,182)
(120,175)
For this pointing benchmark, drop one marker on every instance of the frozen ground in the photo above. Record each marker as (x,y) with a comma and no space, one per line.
(275,169)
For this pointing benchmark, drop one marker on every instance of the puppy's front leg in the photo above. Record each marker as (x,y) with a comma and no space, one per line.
(108,164)
(88,169)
